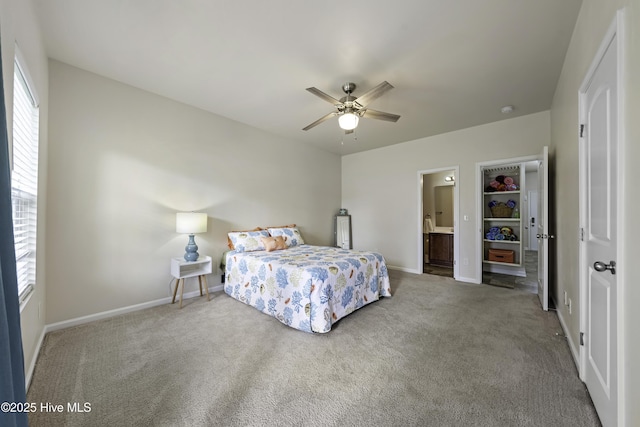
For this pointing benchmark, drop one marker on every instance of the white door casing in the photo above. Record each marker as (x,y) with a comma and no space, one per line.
(599,212)
(532,220)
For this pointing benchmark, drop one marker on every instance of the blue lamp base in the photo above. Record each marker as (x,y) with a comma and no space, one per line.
(191,249)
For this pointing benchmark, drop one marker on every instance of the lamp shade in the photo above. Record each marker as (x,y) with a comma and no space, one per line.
(191,222)
(348,121)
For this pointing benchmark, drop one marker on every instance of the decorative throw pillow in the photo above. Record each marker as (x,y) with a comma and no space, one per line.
(291,235)
(273,243)
(247,241)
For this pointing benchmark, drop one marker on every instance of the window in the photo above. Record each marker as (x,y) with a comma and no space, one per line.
(24,178)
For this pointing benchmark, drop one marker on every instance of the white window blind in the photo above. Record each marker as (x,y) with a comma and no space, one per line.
(24,179)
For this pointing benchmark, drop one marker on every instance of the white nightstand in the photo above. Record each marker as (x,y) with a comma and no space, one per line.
(181,269)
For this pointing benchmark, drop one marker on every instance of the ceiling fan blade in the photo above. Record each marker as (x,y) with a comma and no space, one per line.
(373,94)
(379,115)
(321,94)
(320,120)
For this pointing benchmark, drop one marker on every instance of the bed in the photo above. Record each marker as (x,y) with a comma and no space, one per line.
(303,286)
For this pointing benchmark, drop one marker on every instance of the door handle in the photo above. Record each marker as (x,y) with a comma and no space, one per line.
(601,266)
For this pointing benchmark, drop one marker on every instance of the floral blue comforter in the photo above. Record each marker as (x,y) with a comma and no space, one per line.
(307,287)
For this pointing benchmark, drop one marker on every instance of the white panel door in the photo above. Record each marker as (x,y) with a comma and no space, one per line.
(601,142)
(543,234)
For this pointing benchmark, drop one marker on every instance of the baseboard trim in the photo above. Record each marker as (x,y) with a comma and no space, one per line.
(406,270)
(467,280)
(34,360)
(575,353)
(118,311)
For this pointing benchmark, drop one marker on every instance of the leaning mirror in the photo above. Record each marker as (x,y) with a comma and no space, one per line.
(342,232)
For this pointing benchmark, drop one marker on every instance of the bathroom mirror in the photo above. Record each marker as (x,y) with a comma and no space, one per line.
(443,195)
(342,232)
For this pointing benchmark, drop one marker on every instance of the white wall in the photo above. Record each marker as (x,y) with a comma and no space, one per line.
(594,20)
(123,161)
(19,25)
(381,187)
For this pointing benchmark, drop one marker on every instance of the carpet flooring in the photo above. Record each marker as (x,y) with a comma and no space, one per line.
(437,353)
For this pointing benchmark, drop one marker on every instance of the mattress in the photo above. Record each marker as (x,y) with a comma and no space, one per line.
(307,287)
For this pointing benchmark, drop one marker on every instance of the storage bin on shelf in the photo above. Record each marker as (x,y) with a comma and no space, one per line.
(502,255)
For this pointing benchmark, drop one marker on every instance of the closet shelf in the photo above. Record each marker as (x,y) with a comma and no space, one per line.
(495,193)
(508,242)
(500,263)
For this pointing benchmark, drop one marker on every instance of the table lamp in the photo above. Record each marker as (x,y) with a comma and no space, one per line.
(191,223)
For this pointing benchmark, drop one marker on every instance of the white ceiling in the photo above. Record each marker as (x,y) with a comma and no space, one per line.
(454,63)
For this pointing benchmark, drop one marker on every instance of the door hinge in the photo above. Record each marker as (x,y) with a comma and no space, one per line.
(581,131)
(581,234)
(581,338)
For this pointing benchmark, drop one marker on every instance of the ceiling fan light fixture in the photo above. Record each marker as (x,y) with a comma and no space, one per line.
(348,121)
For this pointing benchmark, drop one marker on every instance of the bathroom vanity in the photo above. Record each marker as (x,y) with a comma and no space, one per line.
(441,249)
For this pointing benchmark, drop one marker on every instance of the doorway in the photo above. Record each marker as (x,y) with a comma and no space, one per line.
(522,272)
(438,207)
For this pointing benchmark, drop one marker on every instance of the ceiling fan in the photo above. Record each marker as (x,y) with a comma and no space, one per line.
(349,108)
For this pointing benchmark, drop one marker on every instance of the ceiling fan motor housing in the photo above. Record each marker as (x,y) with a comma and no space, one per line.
(348,88)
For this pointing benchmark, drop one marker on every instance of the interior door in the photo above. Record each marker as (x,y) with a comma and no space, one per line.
(600,236)
(543,236)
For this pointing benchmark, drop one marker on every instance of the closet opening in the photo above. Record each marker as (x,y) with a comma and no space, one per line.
(510,216)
